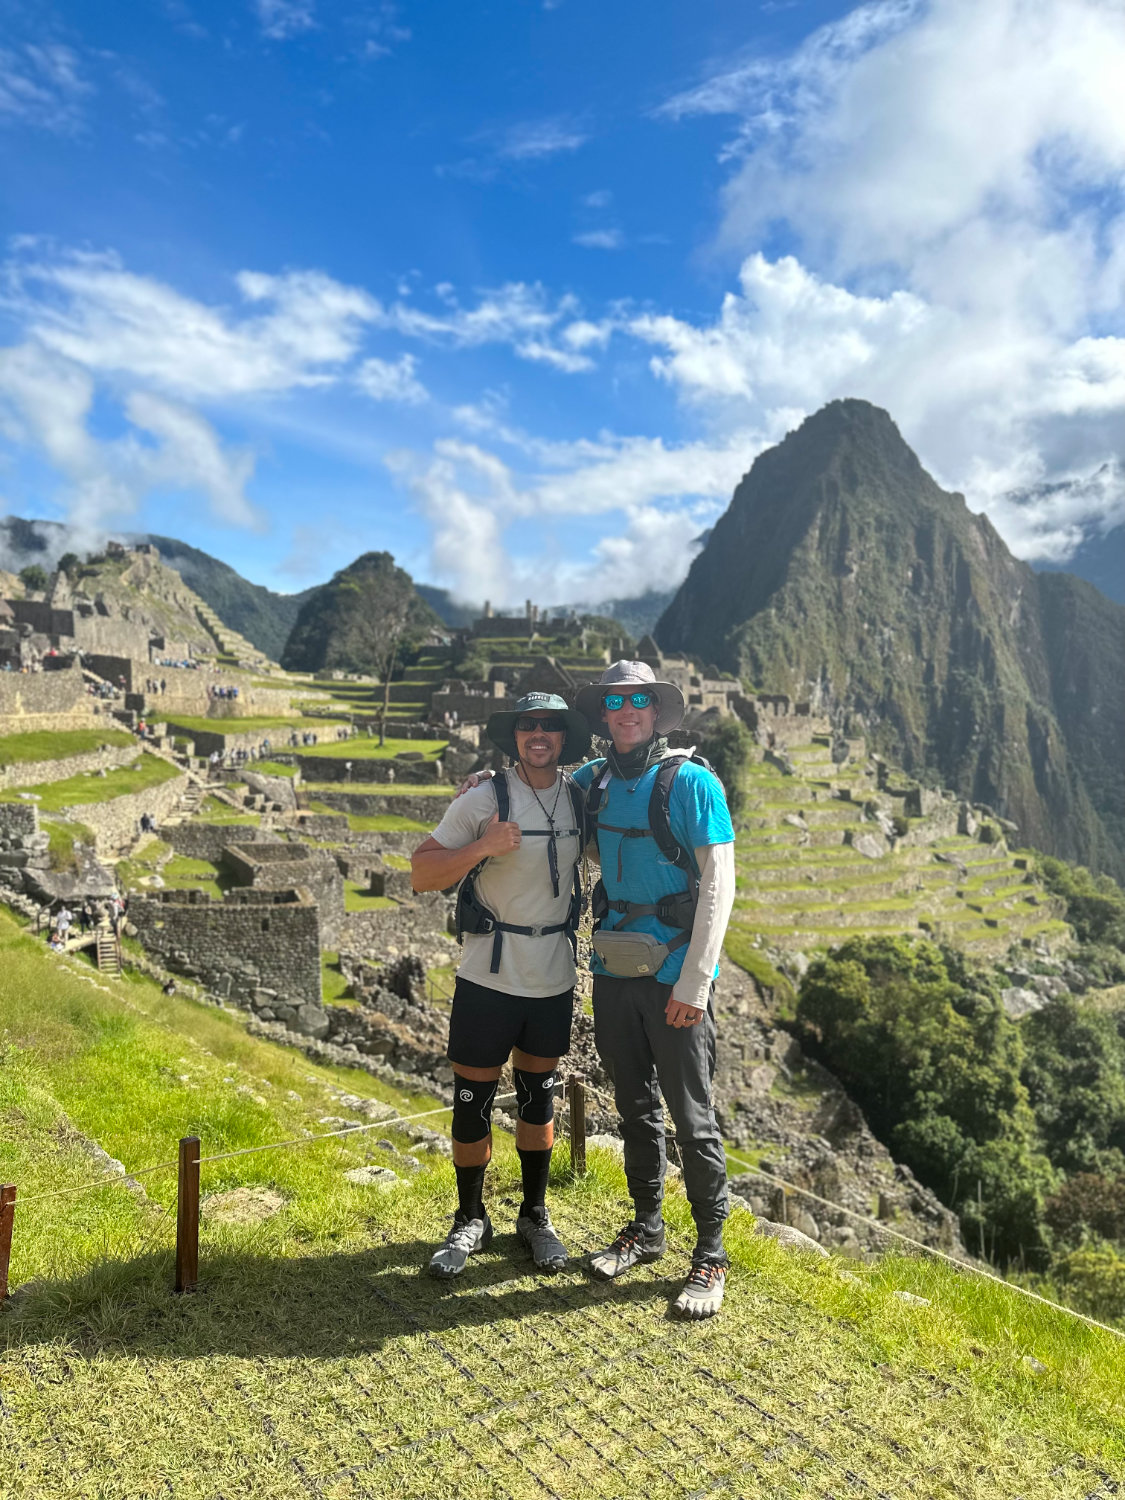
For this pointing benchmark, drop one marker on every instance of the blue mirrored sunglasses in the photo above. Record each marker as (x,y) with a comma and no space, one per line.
(614,701)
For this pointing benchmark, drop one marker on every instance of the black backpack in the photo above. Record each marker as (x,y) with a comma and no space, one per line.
(472,916)
(677,909)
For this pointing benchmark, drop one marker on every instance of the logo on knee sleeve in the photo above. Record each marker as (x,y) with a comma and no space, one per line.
(466,1096)
(549,1081)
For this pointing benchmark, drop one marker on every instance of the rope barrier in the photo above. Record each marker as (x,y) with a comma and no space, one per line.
(962,1265)
(905,1239)
(305,1140)
(327,1135)
(89,1187)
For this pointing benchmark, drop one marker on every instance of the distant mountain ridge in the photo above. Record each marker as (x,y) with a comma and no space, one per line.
(842,574)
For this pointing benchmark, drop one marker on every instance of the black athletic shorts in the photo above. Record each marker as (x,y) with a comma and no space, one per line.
(486,1024)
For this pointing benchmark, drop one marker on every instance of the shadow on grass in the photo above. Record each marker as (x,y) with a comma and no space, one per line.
(317,1306)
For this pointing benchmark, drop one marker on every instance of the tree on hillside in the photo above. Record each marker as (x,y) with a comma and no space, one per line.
(921,1041)
(33,577)
(363,620)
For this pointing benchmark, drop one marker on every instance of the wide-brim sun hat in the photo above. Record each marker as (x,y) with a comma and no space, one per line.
(628,676)
(501,727)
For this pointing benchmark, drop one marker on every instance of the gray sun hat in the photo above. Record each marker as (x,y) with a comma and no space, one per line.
(501,727)
(623,676)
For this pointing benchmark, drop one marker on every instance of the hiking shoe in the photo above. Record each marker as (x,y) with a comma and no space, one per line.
(632,1247)
(465,1238)
(702,1295)
(536,1231)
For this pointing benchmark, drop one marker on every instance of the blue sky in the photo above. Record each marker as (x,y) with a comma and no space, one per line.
(518,290)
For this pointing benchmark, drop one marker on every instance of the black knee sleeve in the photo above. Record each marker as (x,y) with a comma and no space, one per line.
(472,1107)
(535,1096)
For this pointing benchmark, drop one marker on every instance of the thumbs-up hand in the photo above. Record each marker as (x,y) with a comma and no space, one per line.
(499,838)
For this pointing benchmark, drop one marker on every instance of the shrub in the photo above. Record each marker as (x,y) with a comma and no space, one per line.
(1095,904)
(1088,1205)
(728,749)
(1074,1071)
(33,577)
(1094,1279)
(920,1039)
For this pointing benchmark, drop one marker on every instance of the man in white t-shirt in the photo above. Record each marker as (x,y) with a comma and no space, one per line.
(514,844)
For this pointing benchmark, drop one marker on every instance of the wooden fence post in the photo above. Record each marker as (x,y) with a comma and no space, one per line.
(187,1216)
(577,1127)
(7,1219)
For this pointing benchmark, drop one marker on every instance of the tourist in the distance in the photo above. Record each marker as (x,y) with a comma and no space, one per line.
(514,994)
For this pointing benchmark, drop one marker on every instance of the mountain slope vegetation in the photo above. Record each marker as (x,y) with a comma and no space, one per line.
(843,575)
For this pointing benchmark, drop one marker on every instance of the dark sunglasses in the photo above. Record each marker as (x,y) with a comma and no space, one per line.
(614,701)
(527,725)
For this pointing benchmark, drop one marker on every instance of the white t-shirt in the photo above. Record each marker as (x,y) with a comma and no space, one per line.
(516,888)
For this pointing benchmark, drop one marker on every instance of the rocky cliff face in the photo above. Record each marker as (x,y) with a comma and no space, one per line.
(842,574)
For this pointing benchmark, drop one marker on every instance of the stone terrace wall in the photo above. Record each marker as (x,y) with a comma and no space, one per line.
(426,810)
(420,927)
(208,840)
(115,823)
(223,738)
(39,772)
(367,769)
(44,700)
(277,866)
(253,941)
(17,820)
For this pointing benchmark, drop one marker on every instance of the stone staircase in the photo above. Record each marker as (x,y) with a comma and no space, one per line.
(107,950)
(232,645)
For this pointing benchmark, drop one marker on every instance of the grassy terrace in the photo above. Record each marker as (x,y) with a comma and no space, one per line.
(316,1360)
(55,796)
(373,823)
(43,744)
(250,725)
(363,747)
(808,888)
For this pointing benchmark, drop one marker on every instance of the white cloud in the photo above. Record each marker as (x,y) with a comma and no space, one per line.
(538,138)
(600,239)
(950,174)
(281,19)
(521,315)
(42,85)
(45,404)
(602,198)
(663,497)
(105,318)
(384,380)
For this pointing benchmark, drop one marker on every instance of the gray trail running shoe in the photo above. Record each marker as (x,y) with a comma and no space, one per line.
(632,1247)
(702,1295)
(465,1238)
(536,1231)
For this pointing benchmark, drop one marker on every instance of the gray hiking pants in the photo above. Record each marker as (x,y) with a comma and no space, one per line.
(640,1051)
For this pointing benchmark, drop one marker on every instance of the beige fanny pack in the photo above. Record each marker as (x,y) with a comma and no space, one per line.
(630,955)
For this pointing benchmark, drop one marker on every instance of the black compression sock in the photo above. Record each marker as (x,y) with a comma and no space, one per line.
(470,1190)
(536,1168)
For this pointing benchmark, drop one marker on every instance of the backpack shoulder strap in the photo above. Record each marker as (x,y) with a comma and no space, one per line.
(594,793)
(503,795)
(659,812)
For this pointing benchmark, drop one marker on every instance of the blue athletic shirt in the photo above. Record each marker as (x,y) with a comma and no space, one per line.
(698,815)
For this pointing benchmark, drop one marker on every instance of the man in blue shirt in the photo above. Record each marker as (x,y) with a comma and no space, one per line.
(656,958)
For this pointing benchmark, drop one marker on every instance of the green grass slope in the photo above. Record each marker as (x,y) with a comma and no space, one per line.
(316,1360)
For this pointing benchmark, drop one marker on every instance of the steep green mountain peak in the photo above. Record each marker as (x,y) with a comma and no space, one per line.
(843,575)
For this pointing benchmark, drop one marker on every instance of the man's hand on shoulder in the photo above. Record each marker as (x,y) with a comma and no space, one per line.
(474,779)
(499,838)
